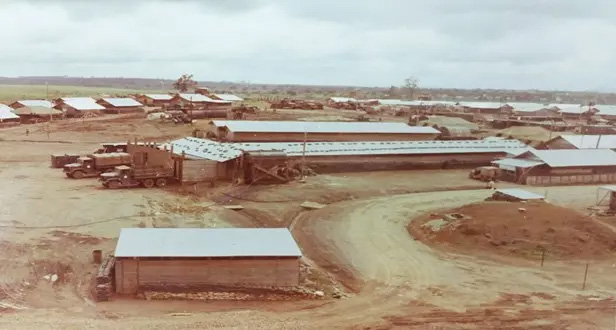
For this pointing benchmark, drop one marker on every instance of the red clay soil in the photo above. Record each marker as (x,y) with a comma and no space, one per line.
(500,227)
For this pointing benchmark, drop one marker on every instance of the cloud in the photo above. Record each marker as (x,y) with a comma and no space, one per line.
(550,44)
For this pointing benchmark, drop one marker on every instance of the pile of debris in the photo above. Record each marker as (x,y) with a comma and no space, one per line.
(519,229)
(287,103)
(103,287)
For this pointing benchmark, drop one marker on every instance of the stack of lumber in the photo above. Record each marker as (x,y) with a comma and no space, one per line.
(103,283)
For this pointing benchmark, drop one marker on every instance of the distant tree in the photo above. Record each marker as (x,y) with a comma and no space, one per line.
(184,83)
(411,85)
(393,92)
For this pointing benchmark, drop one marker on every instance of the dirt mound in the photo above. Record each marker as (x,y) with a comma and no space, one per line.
(501,227)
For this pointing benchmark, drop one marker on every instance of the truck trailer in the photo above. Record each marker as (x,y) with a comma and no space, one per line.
(125,177)
(95,164)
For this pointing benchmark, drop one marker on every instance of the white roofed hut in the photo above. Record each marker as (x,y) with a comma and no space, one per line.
(120,104)
(31,103)
(78,106)
(155,100)
(560,167)
(7,116)
(204,259)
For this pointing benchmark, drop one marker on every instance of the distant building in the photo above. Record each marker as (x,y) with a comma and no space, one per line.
(77,106)
(226,97)
(486,107)
(560,167)
(334,101)
(31,103)
(568,141)
(261,131)
(154,100)
(35,113)
(120,104)
(202,90)
(199,101)
(7,115)
(185,258)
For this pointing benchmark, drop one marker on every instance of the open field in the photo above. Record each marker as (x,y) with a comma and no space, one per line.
(10,93)
(358,243)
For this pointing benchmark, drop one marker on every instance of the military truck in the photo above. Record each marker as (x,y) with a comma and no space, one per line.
(95,164)
(125,177)
(485,173)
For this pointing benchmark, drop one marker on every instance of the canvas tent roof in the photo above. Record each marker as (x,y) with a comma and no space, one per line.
(206,242)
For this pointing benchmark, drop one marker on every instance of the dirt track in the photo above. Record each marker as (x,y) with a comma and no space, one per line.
(361,238)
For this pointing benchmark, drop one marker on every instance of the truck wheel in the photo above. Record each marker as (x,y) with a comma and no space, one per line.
(78,175)
(148,183)
(113,184)
(161,182)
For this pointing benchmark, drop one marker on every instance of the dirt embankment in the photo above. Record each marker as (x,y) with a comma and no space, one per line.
(516,229)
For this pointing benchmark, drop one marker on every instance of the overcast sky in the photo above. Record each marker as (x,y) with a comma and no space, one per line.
(545,44)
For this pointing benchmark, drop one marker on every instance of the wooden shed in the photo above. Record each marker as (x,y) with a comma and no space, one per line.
(120,104)
(194,258)
(154,100)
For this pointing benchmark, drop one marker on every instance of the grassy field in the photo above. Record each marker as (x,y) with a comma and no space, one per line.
(10,93)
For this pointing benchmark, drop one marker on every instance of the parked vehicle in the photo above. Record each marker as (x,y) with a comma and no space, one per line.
(95,164)
(125,177)
(485,173)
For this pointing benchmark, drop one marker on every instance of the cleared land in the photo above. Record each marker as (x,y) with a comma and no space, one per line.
(358,244)
(11,93)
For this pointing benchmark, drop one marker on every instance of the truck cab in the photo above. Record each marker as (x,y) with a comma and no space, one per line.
(119,177)
(81,169)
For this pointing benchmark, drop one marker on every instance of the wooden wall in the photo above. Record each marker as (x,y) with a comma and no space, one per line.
(131,274)
(553,180)
(144,155)
(199,170)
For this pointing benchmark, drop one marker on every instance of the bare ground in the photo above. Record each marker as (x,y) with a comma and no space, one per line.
(358,243)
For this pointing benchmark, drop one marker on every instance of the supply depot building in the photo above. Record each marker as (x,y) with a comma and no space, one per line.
(193,258)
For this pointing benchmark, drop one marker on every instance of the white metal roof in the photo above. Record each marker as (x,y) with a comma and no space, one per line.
(482,105)
(514,162)
(229,97)
(36,103)
(604,109)
(564,105)
(574,157)
(607,141)
(206,242)
(342,99)
(413,103)
(122,102)
(195,97)
(520,193)
(609,188)
(220,152)
(527,107)
(6,112)
(322,127)
(159,97)
(574,109)
(82,103)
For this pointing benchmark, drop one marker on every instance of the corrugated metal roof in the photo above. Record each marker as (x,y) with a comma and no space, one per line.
(229,97)
(36,103)
(413,103)
(564,105)
(609,188)
(482,105)
(195,97)
(6,112)
(513,162)
(122,102)
(604,109)
(220,152)
(206,242)
(574,157)
(520,193)
(82,103)
(36,110)
(527,107)
(159,97)
(591,141)
(342,99)
(322,127)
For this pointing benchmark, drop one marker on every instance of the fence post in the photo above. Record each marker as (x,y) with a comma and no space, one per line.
(585,275)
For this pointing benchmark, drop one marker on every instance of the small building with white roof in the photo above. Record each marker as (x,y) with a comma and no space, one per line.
(78,106)
(201,258)
(120,104)
(31,103)
(154,100)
